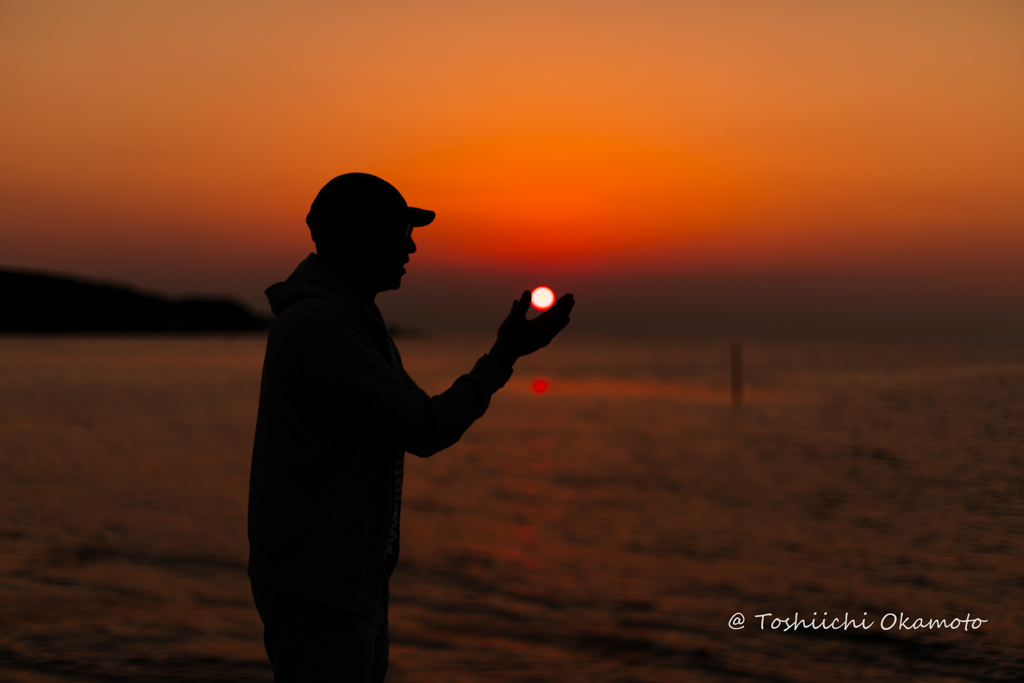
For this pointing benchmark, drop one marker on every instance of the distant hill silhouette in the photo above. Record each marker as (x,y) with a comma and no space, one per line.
(41,303)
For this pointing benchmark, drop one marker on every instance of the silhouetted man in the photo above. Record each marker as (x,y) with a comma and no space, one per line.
(337,413)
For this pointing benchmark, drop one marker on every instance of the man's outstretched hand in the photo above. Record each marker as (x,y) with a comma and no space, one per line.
(518,336)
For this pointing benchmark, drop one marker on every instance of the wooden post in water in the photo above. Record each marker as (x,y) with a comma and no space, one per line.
(737,374)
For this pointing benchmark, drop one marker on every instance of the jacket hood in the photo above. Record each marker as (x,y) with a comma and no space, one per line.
(314,278)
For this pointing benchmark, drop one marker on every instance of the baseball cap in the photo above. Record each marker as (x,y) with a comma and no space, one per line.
(360,200)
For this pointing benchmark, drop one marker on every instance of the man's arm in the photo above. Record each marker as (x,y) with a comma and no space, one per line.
(349,373)
(352,376)
(409,382)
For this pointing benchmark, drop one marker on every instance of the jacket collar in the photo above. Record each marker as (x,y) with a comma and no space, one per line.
(314,278)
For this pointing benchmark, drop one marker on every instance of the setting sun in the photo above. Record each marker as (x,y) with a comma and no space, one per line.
(542,298)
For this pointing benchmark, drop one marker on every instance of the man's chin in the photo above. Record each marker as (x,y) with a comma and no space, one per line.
(394,283)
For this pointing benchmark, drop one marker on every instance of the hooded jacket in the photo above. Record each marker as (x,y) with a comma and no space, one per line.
(335,408)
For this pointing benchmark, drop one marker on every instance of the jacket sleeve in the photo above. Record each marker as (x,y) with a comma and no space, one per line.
(348,373)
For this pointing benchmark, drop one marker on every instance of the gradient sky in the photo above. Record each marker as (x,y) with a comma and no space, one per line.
(177,145)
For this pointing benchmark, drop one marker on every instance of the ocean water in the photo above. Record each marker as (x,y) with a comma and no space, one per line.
(608,529)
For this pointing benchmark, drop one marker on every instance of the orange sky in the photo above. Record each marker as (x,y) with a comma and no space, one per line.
(177,145)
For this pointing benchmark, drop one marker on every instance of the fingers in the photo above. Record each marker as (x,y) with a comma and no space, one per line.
(560,309)
(524,303)
(563,306)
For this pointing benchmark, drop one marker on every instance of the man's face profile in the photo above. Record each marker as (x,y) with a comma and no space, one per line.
(380,253)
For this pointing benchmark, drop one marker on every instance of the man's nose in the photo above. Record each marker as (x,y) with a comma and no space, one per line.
(410,246)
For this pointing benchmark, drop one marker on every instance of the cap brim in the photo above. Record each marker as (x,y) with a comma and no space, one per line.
(420,217)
